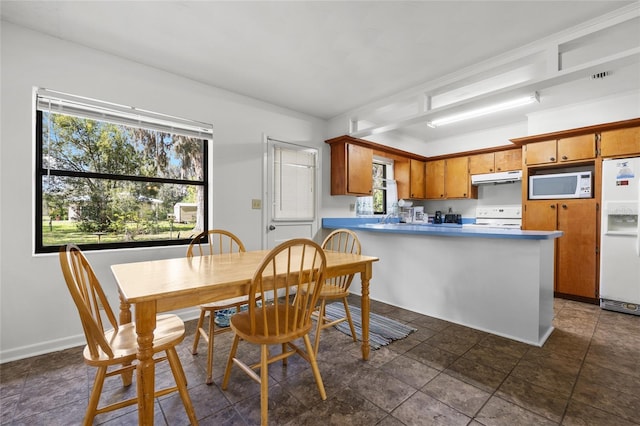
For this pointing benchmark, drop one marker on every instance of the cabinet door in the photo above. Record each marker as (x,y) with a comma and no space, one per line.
(402,175)
(540,152)
(434,174)
(417,179)
(576,250)
(359,170)
(456,177)
(621,142)
(482,163)
(508,160)
(540,216)
(577,148)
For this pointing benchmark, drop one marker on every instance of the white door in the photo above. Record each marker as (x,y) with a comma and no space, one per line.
(291,191)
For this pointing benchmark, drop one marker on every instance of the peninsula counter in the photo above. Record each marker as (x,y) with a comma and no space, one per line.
(495,280)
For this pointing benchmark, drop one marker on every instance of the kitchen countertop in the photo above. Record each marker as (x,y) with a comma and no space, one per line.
(445,229)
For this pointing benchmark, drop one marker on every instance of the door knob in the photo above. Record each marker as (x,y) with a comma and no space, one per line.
(272,227)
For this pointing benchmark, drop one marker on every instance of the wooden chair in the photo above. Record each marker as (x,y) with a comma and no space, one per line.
(118,345)
(282,319)
(344,241)
(217,241)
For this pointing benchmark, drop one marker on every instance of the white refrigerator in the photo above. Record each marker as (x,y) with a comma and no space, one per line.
(620,238)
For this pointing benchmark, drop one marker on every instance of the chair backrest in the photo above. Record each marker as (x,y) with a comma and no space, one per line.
(214,241)
(89,298)
(294,264)
(343,241)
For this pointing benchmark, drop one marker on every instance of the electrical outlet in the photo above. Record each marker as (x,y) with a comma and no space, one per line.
(352,207)
(256,204)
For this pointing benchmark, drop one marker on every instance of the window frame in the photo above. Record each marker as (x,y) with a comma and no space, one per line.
(41,172)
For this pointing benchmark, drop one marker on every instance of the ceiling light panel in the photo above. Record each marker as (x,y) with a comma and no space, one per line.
(479,112)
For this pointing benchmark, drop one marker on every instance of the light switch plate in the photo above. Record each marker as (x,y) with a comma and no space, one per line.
(256,203)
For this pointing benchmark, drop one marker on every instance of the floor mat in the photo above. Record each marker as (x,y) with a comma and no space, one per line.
(382,330)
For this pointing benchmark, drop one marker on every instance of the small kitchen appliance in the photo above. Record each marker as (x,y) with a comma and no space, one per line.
(437,218)
(507,217)
(560,185)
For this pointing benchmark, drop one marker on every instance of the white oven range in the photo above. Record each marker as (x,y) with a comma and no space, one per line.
(507,217)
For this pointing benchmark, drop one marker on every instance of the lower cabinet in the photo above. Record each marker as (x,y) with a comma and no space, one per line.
(576,263)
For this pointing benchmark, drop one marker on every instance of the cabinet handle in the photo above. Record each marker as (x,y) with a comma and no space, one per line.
(499,168)
(553,206)
(564,206)
(552,158)
(564,157)
(492,170)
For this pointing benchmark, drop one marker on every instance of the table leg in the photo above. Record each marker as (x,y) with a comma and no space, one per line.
(125,318)
(364,278)
(125,310)
(145,324)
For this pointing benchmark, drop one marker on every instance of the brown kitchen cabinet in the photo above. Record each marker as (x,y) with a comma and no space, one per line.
(499,161)
(417,178)
(621,142)
(457,183)
(410,177)
(576,258)
(351,169)
(558,151)
(449,178)
(434,175)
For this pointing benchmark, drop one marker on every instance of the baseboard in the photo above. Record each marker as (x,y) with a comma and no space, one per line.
(50,346)
(590,300)
(41,348)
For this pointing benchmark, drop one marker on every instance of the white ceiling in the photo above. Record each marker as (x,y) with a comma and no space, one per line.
(321,58)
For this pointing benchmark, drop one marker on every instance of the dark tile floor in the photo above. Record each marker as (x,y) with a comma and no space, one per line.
(587,373)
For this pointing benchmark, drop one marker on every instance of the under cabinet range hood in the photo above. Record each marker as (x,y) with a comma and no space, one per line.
(495,178)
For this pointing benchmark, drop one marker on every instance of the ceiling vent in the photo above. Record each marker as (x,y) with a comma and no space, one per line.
(600,75)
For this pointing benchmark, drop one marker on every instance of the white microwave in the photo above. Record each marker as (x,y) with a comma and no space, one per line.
(560,185)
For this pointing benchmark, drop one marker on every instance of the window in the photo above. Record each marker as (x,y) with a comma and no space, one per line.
(110,176)
(294,182)
(384,196)
(379,188)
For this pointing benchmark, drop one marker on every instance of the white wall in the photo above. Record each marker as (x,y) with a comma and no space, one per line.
(615,107)
(36,312)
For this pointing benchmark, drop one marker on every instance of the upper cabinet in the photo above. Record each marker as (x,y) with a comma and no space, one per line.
(410,178)
(499,161)
(564,150)
(435,179)
(621,142)
(449,178)
(351,169)
(457,183)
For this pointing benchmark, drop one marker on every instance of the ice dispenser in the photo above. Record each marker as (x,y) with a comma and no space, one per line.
(622,218)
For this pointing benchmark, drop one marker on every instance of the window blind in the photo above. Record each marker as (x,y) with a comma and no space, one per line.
(57,102)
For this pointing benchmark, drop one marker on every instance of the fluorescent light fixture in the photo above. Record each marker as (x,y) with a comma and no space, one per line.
(514,103)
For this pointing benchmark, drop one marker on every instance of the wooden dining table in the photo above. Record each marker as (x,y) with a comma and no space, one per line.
(164,285)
